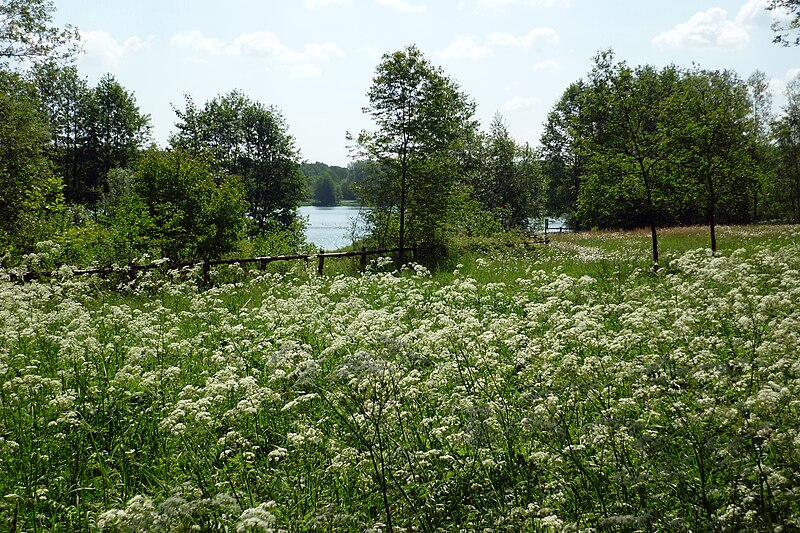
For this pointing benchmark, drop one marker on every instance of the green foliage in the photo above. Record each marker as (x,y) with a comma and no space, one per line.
(562,162)
(787,33)
(26,33)
(326,193)
(422,121)
(786,133)
(632,147)
(706,123)
(566,388)
(93,129)
(115,133)
(28,187)
(507,178)
(196,212)
(250,140)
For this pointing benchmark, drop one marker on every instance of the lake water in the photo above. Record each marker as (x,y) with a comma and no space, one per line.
(330,228)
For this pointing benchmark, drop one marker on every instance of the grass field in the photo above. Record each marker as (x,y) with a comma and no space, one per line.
(563,388)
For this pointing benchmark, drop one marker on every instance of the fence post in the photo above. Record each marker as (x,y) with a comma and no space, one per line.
(546,225)
(321,265)
(206,272)
(363,257)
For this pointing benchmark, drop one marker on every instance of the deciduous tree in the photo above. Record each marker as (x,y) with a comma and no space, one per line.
(26,32)
(623,145)
(707,127)
(786,133)
(196,212)
(250,140)
(28,187)
(422,117)
(787,29)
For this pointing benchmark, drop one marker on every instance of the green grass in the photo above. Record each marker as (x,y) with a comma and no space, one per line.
(524,388)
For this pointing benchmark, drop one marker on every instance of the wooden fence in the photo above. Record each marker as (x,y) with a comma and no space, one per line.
(559,229)
(262,262)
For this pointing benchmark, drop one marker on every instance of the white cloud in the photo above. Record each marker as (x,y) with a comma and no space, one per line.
(519,103)
(195,40)
(371,51)
(537,39)
(323,51)
(266,45)
(468,47)
(313,5)
(752,10)
(102,45)
(402,5)
(465,47)
(777,87)
(792,73)
(710,28)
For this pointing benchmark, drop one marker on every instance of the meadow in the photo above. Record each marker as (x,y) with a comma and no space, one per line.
(566,387)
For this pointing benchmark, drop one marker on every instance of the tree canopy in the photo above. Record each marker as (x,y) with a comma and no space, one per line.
(787,32)
(251,140)
(636,146)
(26,32)
(422,119)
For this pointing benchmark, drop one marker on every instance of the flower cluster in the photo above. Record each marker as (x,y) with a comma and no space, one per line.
(500,397)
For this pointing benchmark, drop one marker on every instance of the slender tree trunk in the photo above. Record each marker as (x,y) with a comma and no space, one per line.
(755,205)
(403,184)
(654,236)
(651,219)
(712,223)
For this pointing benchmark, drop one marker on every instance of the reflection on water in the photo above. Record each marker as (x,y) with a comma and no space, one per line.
(330,228)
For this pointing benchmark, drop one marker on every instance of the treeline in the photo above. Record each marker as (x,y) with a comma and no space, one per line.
(79,169)
(330,185)
(639,146)
(623,147)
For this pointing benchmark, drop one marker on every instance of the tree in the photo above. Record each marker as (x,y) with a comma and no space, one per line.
(250,140)
(786,133)
(93,129)
(196,212)
(508,180)
(115,132)
(760,100)
(786,31)
(625,174)
(707,119)
(563,164)
(28,187)
(64,96)
(422,118)
(26,33)
(325,192)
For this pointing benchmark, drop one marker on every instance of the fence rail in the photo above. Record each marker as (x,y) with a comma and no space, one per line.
(263,261)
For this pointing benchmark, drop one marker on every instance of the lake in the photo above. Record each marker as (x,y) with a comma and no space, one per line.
(330,228)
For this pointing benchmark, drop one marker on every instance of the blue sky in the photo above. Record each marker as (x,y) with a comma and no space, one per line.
(314,59)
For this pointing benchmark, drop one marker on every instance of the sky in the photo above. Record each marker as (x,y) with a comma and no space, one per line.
(314,60)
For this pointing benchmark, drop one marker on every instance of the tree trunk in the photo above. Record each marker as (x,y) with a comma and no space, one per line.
(654,236)
(402,240)
(712,207)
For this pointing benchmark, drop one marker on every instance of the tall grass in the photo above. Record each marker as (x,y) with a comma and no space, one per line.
(566,388)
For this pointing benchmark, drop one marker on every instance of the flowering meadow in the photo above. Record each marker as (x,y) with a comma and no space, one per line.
(568,389)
